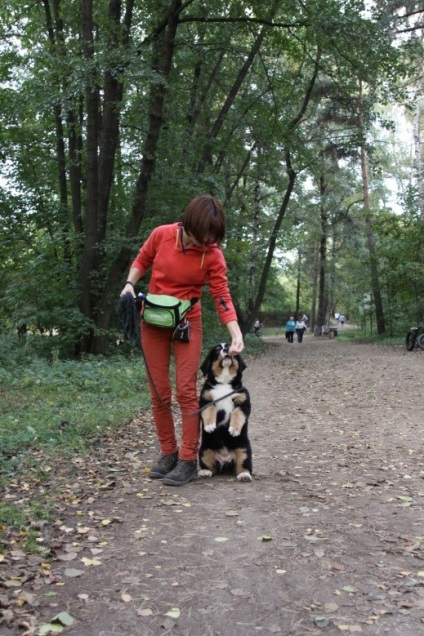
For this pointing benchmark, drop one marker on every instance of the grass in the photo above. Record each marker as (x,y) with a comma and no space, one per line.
(61,407)
(66,405)
(349,335)
(357,335)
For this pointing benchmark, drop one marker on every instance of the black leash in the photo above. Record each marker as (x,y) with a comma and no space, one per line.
(127,308)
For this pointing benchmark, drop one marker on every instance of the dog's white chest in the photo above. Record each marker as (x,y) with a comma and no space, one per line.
(223,401)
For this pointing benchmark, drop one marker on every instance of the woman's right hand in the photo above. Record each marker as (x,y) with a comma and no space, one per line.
(128,289)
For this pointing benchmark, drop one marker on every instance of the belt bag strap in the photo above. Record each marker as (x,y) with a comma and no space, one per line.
(161,310)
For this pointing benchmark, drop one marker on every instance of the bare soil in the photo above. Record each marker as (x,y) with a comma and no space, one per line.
(327,539)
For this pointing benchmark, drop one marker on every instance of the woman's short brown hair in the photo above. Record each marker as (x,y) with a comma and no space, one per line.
(204,219)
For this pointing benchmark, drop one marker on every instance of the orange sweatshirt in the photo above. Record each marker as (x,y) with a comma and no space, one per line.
(183,272)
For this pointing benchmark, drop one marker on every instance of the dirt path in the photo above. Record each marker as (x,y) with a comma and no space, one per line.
(328,539)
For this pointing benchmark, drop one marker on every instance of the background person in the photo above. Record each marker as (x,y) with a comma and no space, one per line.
(257,327)
(300,328)
(183,258)
(290,329)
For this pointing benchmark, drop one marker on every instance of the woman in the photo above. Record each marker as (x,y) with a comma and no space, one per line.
(290,328)
(183,258)
(300,328)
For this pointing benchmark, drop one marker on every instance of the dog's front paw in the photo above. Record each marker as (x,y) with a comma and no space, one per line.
(204,472)
(235,432)
(209,428)
(245,476)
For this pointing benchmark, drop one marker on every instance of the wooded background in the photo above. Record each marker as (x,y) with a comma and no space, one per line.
(115,113)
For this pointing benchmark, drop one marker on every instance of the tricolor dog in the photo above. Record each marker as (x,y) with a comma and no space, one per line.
(224,412)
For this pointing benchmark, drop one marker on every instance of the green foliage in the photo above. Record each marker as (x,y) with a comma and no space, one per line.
(64,404)
(44,207)
(357,335)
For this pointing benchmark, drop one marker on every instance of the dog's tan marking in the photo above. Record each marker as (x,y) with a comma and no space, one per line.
(208,458)
(242,473)
(239,398)
(237,422)
(209,418)
(218,369)
(207,395)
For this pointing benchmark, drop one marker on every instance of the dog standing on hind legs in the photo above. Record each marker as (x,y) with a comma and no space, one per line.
(225,409)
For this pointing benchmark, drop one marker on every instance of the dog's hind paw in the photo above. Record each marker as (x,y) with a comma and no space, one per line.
(204,472)
(244,476)
(235,432)
(209,428)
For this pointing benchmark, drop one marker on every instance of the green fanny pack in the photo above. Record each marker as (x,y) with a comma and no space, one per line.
(164,311)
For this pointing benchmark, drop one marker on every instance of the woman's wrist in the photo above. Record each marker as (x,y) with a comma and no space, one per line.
(128,282)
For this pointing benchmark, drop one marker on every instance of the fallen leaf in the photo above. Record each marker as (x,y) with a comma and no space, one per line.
(145,612)
(72,572)
(127,598)
(26,597)
(174,612)
(64,618)
(50,628)
(240,592)
(69,556)
(265,538)
(231,513)
(331,607)
(88,562)
(12,583)
(221,539)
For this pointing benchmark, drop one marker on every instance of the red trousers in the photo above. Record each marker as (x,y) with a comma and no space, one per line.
(158,346)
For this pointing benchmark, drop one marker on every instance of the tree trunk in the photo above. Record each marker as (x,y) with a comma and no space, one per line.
(56,40)
(163,50)
(315,272)
(297,307)
(213,133)
(375,283)
(88,260)
(246,321)
(419,172)
(322,287)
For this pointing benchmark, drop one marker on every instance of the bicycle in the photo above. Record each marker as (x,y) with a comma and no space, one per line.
(415,338)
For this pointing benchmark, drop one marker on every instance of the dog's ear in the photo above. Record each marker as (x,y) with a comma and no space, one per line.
(242,364)
(206,364)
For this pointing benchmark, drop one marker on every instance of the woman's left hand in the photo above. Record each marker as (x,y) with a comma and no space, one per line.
(237,344)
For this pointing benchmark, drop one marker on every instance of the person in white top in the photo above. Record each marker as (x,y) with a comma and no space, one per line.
(300,328)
